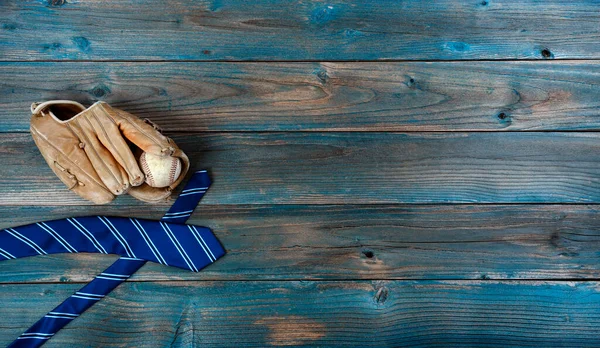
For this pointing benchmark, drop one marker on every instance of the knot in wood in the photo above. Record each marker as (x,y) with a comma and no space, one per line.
(56,3)
(381,295)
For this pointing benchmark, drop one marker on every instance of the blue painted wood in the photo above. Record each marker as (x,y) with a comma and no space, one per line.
(332,314)
(414,96)
(284,242)
(268,201)
(298,30)
(354,168)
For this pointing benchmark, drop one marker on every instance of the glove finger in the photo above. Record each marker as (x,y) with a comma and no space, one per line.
(60,148)
(141,134)
(148,139)
(81,127)
(109,170)
(110,136)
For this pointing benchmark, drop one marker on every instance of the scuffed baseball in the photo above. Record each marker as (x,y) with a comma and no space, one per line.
(160,171)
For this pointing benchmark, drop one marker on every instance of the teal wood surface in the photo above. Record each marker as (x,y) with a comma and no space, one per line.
(386,173)
(298,30)
(382,96)
(292,313)
(287,242)
(355,168)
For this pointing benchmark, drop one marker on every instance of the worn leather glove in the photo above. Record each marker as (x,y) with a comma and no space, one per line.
(89,149)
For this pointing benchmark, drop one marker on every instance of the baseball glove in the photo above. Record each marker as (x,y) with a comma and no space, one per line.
(90,149)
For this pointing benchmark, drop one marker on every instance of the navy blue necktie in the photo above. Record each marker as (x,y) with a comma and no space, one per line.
(169,242)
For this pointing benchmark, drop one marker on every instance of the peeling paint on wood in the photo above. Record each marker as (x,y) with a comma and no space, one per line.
(291,330)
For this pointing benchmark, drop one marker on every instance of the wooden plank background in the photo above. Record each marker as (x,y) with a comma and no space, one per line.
(386,173)
(324,96)
(313,168)
(299,30)
(293,313)
(375,242)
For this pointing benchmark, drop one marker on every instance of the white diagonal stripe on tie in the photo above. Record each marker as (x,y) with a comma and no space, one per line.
(26,240)
(205,244)
(67,314)
(110,278)
(179,213)
(6,254)
(85,298)
(148,241)
(58,317)
(57,236)
(195,189)
(117,235)
(79,226)
(178,247)
(194,232)
(191,193)
(115,275)
(176,217)
(88,294)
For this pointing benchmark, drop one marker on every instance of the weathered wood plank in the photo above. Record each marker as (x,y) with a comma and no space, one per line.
(388,96)
(359,168)
(353,242)
(366,314)
(292,30)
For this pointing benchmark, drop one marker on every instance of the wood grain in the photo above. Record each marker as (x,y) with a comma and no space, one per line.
(339,232)
(412,96)
(288,242)
(292,30)
(353,168)
(370,314)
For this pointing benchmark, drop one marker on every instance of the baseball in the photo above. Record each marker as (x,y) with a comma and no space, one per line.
(160,171)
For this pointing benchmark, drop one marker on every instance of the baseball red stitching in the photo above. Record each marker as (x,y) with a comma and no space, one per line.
(172,172)
(146,169)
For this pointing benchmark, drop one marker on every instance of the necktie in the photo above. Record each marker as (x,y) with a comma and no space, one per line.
(168,242)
